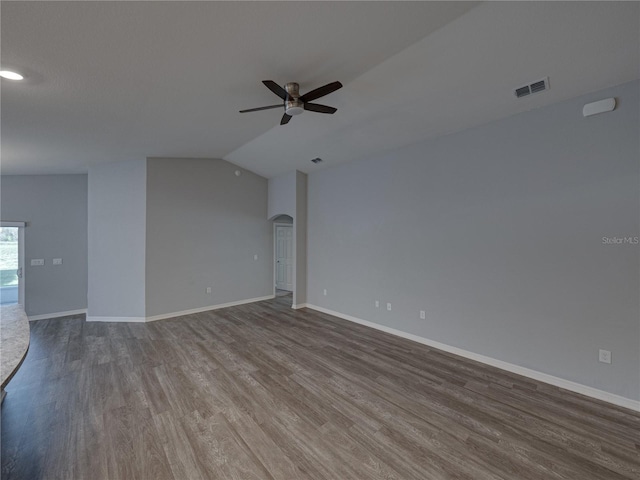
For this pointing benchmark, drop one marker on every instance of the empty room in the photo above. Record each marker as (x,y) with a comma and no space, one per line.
(307,240)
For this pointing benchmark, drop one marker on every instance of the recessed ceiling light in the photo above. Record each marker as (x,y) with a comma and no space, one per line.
(9,75)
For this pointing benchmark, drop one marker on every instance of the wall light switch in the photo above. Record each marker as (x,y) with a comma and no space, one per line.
(208,289)
(389,306)
(255,257)
(423,315)
(324,292)
(57,261)
(377,304)
(37,262)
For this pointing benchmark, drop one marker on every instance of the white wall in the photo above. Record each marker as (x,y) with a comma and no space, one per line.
(117,234)
(496,232)
(55,209)
(204,226)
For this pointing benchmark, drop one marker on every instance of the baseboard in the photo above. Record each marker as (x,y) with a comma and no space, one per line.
(93,318)
(509,367)
(298,306)
(47,316)
(163,316)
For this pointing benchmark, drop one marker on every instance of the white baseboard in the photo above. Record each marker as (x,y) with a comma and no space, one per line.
(163,316)
(298,306)
(94,318)
(57,314)
(208,308)
(509,367)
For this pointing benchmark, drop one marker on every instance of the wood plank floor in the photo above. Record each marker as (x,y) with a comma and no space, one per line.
(264,392)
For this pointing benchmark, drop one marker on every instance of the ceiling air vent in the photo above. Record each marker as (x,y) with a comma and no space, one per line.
(535,87)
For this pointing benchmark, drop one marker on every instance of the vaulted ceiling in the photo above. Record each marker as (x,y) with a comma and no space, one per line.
(115,81)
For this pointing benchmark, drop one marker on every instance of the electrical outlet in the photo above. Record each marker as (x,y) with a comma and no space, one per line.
(37,262)
(605,356)
(208,289)
(389,306)
(377,304)
(57,261)
(255,257)
(324,292)
(423,315)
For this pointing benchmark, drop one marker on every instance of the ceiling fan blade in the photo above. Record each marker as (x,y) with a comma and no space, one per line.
(285,119)
(314,107)
(321,91)
(275,88)
(262,108)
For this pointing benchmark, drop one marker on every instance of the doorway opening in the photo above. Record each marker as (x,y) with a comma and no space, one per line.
(11,264)
(283,257)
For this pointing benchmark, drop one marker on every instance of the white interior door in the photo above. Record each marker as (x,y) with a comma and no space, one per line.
(284,257)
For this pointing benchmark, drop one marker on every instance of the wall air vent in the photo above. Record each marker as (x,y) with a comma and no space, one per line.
(535,87)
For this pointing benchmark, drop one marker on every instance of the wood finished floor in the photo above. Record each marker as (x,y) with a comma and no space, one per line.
(264,392)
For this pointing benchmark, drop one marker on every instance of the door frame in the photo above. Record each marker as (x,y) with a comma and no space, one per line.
(275,246)
(22,278)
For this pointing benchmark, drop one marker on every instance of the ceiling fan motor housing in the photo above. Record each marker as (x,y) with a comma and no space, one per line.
(293,106)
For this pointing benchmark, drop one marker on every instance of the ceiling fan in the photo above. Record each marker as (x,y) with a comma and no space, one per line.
(294,103)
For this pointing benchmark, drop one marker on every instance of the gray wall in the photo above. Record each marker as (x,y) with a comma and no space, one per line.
(117,202)
(282,195)
(496,232)
(300,234)
(55,209)
(204,226)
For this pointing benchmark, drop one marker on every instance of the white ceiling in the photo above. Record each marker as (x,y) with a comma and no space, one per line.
(112,81)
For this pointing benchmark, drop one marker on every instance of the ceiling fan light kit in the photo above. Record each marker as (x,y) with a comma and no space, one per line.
(293,106)
(293,103)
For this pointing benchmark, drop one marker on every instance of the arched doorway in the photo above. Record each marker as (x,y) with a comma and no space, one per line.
(284,257)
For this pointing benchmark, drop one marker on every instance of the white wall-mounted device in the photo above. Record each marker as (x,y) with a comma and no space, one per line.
(601,106)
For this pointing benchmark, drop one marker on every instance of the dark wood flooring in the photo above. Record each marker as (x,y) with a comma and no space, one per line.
(264,392)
